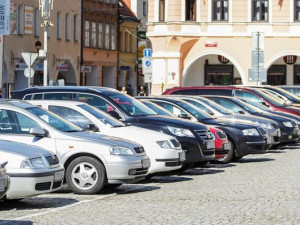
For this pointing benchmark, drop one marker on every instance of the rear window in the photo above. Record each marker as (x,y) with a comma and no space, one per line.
(203,92)
(58,96)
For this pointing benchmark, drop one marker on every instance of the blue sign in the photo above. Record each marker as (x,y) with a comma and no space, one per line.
(147,52)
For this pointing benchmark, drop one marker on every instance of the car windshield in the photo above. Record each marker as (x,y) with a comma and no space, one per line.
(274,101)
(216,107)
(158,109)
(248,107)
(103,117)
(257,105)
(200,115)
(132,106)
(54,120)
(290,96)
(277,95)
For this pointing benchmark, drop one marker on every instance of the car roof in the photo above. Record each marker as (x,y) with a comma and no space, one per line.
(15,102)
(59,102)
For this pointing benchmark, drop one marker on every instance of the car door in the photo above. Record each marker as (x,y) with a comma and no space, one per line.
(15,126)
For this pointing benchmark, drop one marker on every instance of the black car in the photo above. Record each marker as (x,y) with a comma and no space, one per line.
(195,138)
(294,89)
(246,138)
(288,127)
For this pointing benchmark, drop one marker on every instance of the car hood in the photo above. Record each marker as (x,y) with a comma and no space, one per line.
(170,121)
(105,139)
(274,116)
(248,119)
(229,123)
(22,150)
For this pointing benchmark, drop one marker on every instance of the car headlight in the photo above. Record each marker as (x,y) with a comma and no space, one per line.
(250,132)
(165,144)
(117,150)
(288,124)
(34,163)
(180,132)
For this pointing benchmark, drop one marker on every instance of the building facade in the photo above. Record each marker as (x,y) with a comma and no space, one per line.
(27,35)
(221,42)
(99,43)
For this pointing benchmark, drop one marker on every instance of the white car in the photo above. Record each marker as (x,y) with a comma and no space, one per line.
(32,170)
(4,180)
(164,151)
(90,160)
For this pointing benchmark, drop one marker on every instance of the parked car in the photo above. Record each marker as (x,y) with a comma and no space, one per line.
(4,179)
(294,89)
(222,144)
(246,138)
(246,93)
(32,170)
(164,151)
(90,160)
(218,111)
(289,130)
(195,138)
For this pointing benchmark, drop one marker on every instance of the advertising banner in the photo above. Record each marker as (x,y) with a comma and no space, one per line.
(4,17)
(13,18)
(28,20)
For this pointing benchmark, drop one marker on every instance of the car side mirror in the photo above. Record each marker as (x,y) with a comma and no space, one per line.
(92,127)
(265,104)
(241,112)
(37,131)
(184,116)
(114,114)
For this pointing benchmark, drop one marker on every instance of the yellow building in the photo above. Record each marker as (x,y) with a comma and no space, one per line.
(205,42)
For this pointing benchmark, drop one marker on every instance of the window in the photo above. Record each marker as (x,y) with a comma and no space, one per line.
(145,9)
(71,115)
(260,10)
(170,107)
(93,36)
(57,96)
(100,35)
(36,25)
(20,20)
(297,10)
(220,10)
(75,28)
(229,106)
(113,38)
(67,27)
(246,95)
(87,33)
(190,10)
(107,37)
(161,10)
(58,25)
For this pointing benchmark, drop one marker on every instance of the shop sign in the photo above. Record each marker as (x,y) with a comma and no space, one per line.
(211,44)
(86,69)
(62,67)
(21,66)
(127,68)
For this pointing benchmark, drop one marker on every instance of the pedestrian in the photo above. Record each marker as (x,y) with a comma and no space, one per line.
(142,91)
(123,90)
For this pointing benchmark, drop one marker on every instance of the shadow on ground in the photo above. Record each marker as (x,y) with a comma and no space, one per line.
(251,160)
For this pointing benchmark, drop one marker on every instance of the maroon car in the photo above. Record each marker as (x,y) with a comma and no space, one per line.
(248,93)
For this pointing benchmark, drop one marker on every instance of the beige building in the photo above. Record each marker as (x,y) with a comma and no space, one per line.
(25,36)
(220,42)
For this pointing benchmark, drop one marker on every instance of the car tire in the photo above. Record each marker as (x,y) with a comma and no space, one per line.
(85,175)
(230,155)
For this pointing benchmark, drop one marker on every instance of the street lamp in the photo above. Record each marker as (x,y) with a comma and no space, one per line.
(38,45)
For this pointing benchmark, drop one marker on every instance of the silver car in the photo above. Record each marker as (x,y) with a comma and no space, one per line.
(4,180)
(91,160)
(32,170)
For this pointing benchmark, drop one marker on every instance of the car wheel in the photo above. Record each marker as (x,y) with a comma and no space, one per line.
(85,175)
(229,155)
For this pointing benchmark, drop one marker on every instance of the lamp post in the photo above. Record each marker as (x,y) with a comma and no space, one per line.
(45,7)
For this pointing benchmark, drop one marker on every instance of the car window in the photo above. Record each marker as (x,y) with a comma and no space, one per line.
(246,95)
(15,122)
(58,96)
(95,101)
(38,96)
(203,92)
(228,105)
(71,115)
(170,107)
(28,97)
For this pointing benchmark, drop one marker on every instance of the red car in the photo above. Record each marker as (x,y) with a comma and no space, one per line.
(222,144)
(248,93)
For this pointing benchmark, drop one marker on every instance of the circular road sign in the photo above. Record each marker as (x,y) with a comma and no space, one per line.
(29,72)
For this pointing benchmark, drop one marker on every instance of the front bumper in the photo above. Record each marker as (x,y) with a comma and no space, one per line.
(222,149)
(289,134)
(34,182)
(126,169)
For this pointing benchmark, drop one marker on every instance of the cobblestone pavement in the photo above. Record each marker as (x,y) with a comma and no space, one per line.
(260,189)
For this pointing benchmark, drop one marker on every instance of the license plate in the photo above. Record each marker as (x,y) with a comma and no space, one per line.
(181,156)
(146,163)
(210,144)
(227,146)
(269,140)
(59,175)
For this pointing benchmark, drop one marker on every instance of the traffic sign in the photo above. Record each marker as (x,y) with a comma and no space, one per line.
(147,65)
(147,78)
(29,72)
(258,75)
(29,57)
(147,52)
